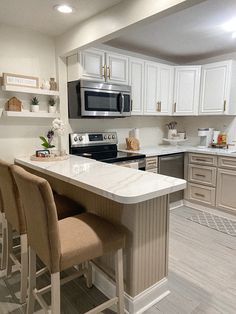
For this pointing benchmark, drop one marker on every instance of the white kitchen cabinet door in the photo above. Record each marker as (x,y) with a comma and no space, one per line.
(165,89)
(136,81)
(186,90)
(92,64)
(117,71)
(151,104)
(215,85)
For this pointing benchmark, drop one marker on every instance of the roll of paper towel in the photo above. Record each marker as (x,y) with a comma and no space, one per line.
(134,133)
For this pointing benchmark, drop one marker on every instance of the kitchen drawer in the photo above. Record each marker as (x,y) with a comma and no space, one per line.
(151,163)
(227,162)
(201,194)
(202,175)
(202,159)
(154,170)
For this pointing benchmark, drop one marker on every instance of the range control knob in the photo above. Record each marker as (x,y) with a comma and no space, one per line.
(81,138)
(109,137)
(76,138)
(105,137)
(113,136)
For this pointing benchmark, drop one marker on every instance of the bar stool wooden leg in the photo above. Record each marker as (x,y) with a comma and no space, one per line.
(55,293)
(89,280)
(119,280)
(9,249)
(32,281)
(4,242)
(24,267)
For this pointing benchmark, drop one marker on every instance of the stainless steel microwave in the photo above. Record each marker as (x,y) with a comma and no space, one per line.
(97,99)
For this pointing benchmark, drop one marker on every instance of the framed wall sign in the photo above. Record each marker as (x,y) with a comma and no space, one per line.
(20,80)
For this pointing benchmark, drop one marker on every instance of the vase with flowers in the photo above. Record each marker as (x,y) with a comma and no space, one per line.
(56,129)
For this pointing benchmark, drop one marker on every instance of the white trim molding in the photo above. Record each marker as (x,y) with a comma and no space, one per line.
(133,305)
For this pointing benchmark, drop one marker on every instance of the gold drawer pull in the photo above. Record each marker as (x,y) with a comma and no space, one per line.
(199,159)
(199,194)
(200,175)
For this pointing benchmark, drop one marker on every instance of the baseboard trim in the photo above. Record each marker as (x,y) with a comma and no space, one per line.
(176,204)
(133,305)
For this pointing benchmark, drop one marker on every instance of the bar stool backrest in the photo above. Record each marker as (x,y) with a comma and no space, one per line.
(41,217)
(10,200)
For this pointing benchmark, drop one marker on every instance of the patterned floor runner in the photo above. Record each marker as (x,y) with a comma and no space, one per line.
(218,223)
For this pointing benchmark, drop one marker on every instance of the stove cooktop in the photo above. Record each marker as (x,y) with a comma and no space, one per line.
(122,156)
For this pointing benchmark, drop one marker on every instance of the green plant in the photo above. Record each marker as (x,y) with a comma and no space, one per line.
(47,142)
(34,101)
(52,101)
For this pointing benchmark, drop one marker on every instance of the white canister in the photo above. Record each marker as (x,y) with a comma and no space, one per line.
(52,109)
(34,108)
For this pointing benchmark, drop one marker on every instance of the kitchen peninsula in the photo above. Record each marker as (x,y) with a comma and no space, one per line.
(137,200)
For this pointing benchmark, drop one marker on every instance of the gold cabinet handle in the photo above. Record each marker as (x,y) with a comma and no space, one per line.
(157,106)
(200,175)
(175,107)
(109,72)
(105,72)
(199,194)
(160,105)
(224,105)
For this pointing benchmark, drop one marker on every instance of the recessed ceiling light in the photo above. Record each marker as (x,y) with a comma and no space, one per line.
(64,8)
(230,26)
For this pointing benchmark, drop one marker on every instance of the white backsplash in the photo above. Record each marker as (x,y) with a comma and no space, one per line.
(222,123)
(151,129)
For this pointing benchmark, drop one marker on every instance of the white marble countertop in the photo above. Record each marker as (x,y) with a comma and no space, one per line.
(160,150)
(120,184)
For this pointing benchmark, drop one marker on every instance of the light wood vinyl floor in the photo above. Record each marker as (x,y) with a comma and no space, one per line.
(202,275)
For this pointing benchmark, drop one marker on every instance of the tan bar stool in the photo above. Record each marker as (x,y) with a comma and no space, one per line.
(15,220)
(3,235)
(62,244)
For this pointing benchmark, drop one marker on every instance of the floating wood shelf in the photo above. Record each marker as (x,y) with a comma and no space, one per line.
(28,90)
(29,114)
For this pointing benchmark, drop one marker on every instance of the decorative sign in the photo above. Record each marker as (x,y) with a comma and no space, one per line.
(20,80)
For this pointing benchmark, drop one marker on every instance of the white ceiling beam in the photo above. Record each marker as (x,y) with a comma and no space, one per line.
(112,22)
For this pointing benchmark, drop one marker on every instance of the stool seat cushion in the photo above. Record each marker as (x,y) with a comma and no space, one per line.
(66,207)
(87,236)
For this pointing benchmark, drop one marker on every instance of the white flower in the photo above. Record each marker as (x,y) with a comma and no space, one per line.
(58,126)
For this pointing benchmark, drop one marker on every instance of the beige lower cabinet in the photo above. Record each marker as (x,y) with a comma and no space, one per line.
(226,190)
(201,194)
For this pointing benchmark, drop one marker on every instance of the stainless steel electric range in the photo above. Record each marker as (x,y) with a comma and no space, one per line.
(103,147)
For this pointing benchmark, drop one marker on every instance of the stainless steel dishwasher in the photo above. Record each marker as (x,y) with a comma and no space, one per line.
(173,166)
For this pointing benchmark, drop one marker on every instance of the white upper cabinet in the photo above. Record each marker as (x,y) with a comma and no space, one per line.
(117,68)
(165,89)
(98,65)
(158,89)
(92,64)
(217,95)
(186,90)
(136,81)
(151,104)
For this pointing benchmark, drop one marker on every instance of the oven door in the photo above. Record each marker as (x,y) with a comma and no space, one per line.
(104,103)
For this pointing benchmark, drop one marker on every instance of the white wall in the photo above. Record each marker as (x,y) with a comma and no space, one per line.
(28,53)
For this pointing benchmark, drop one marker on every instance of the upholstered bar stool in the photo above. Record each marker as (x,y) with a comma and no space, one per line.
(3,235)
(14,219)
(62,244)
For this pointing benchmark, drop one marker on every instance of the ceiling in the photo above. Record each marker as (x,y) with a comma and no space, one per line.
(186,36)
(39,15)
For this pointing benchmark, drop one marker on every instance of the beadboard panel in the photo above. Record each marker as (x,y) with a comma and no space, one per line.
(146,227)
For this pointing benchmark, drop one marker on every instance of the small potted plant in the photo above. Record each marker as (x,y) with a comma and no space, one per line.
(34,104)
(52,105)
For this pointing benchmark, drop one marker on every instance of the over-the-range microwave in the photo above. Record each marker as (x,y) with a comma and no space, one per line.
(98,99)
